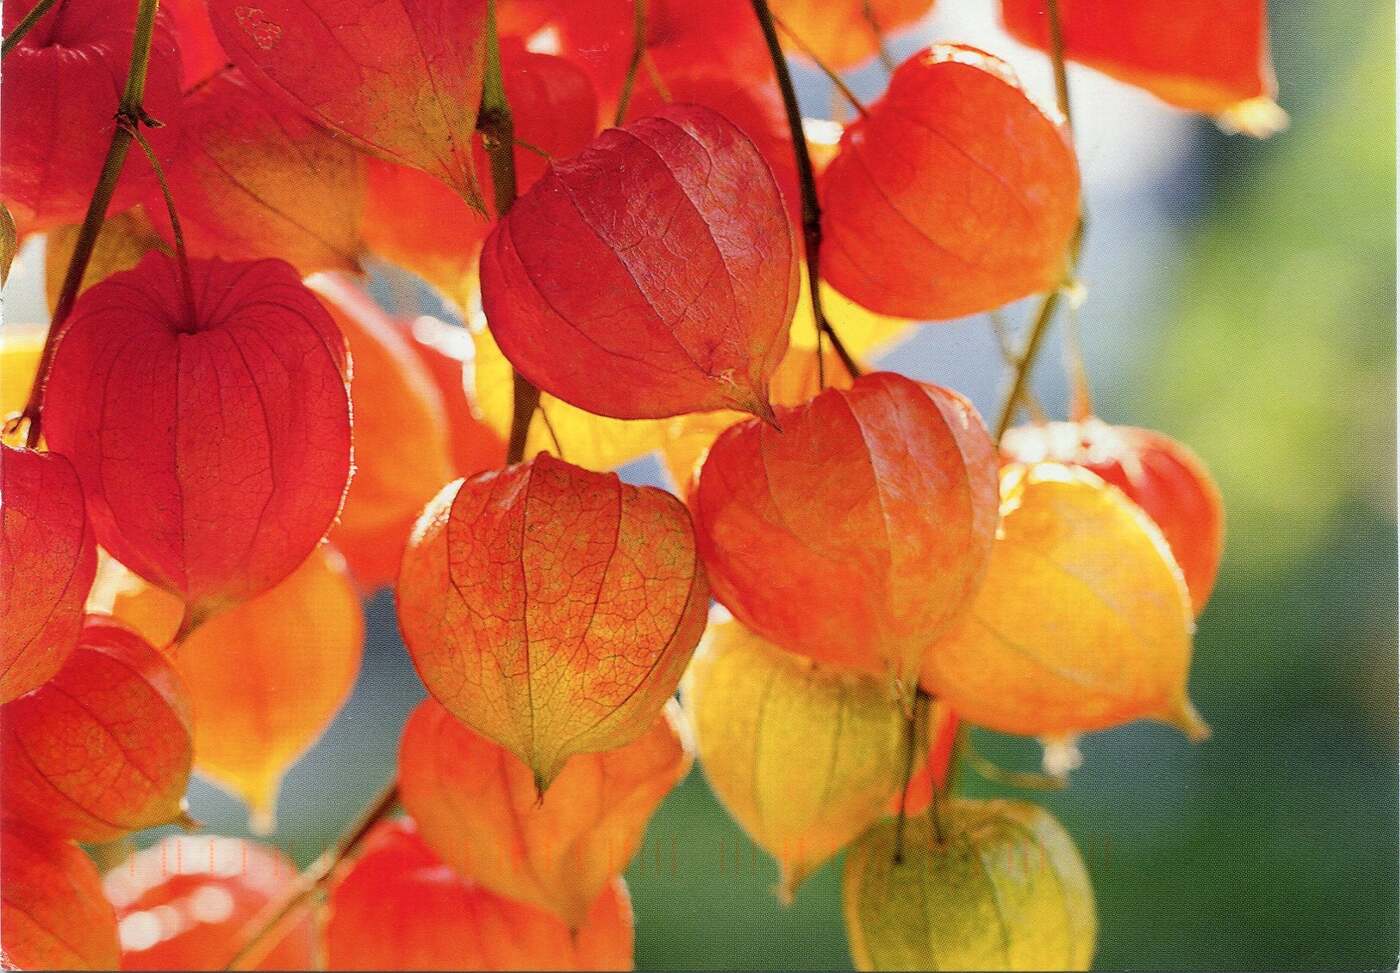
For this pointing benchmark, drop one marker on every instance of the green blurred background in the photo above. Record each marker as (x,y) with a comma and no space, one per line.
(1241,298)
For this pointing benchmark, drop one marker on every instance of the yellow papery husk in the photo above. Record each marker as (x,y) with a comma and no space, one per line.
(988,885)
(804,757)
(1083,621)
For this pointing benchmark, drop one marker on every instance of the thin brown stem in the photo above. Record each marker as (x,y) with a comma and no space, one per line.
(867,10)
(837,82)
(1057,61)
(1009,357)
(129,114)
(497,127)
(918,716)
(807,182)
(1041,325)
(35,14)
(654,76)
(639,50)
(1026,363)
(182,258)
(312,881)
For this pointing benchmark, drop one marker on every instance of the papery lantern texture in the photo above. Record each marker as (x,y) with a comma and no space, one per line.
(477,807)
(653,274)
(213,441)
(988,885)
(1209,56)
(1159,474)
(1082,623)
(805,757)
(103,748)
(52,913)
(401,907)
(258,179)
(404,84)
(49,565)
(63,83)
(857,534)
(550,608)
(930,212)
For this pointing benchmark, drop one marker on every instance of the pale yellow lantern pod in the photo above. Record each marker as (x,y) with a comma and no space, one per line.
(1083,621)
(803,756)
(988,885)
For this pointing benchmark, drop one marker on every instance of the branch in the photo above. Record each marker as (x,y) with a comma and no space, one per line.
(920,714)
(1051,301)
(24,26)
(497,127)
(867,11)
(837,82)
(1026,362)
(129,114)
(182,258)
(260,942)
(811,208)
(639,49)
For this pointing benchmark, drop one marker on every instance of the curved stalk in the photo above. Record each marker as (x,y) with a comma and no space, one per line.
(497,127)
(130,114)
(811,208)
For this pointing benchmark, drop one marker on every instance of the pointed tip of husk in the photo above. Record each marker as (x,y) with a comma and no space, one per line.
(262,821)
(1182,714)
(185,821)
(790,878)
(261,799)
(542,777)
(760,406)
(1257,117)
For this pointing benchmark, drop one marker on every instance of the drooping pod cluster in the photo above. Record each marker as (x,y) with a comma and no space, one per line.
(227,455)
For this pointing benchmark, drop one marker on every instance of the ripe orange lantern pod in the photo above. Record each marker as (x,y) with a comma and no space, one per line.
(186,903)
(210,429)
(552,609)
(1083,621)
(404,83)
(1211,56)
(653,274)
(930,212)
(49,564)
(258,179)
(237,667)
(104,747)
(52,915)
(856,535)
(477,807)
(1159,474)
(62,85)
(400,907)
